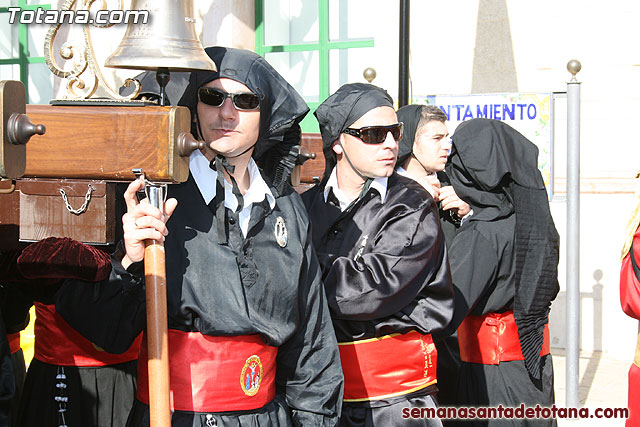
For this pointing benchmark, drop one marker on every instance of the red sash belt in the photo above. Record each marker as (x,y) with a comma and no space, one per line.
(215,373)
(57,343)
(14,342)
(388,366)
(493,338)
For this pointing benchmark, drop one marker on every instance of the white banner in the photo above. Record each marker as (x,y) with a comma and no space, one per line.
(528,113)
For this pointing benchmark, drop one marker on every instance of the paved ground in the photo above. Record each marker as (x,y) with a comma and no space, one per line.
(603,384)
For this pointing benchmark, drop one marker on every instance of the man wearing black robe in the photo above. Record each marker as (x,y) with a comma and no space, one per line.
(244,292)
(504,261)
(423,151)
(383,260)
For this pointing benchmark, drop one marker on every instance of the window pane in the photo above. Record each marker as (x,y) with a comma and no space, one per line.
(36,35)
(40,84)
(8,38)
(301,70)
(347,65)
(290,22)
(355,19)
(10,72)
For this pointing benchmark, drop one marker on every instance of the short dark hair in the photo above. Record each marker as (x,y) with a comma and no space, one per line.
(430,113)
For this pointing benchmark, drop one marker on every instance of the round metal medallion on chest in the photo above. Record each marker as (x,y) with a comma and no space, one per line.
(281,232)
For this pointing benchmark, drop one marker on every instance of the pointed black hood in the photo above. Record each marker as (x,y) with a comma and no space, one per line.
(495,169)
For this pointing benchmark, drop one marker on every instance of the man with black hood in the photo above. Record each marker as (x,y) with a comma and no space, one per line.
(504,265)
(250,337)
(383,259)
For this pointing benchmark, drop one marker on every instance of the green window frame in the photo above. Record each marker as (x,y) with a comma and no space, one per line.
(24,58)
(323,47)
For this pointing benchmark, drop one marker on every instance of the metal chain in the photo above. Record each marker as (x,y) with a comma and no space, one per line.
(82,208)
(62,397)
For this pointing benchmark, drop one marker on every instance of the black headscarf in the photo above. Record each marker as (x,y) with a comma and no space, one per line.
(494,169)
(341,110)
(410,116)
(281,107)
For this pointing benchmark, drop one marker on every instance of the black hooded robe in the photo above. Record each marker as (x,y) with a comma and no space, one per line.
(384,262)
(206,293)
(490,166)
(399,283)
(447,345)
(248,285)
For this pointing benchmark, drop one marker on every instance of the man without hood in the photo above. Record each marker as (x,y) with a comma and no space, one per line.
(383,259)
(423,152)
(250,337)
(504,265)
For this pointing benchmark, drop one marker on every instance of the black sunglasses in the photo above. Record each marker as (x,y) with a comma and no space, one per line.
(216,97)
(376,134)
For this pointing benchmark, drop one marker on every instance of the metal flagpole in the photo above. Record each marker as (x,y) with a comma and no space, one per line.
(403,70)
(573,235)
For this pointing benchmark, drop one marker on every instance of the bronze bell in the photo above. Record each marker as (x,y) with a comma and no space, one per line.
(168,39)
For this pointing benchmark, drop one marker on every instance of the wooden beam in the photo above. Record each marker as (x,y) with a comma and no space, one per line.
(106,142)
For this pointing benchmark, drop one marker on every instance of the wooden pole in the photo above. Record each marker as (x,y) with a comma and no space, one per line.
(157,332)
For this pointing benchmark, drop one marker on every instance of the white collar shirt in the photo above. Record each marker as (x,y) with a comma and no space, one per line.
(378,184)
(206,178)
